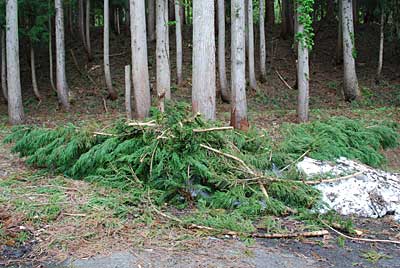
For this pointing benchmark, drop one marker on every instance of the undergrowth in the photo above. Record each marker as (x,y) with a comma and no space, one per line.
(166,160)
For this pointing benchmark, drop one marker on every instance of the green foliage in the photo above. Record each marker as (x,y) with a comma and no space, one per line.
(305,9)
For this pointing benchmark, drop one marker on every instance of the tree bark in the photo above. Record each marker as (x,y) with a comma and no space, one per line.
(151,20)
(162,54)
(33,74)
(204,77)
(3,64)
(128,92)
(140,72)
(339,47)
(81,11)
(225,95)
(351,90)
(88,43)
(179,46)
(381,44)
(250,28)
(107,70)
(263,48)
(270,7)
(238,84)
(15,108)
(303,75)
(51,68)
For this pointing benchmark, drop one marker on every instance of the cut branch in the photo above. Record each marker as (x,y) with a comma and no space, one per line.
(212,129)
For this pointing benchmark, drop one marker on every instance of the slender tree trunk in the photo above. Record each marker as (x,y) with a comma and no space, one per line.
(284,18)
(151,20)
(204,77)
(107,70)
(81,15)
(263,47)
(179,46)
(3,64)
(252,71)
(269,4)
(117,21)
(70,19)
(33,74)
(15,108)
(381,44)
(88,43)
(355,12)
(140,70)
(225,95)
(128,92)
(238,44)
(51,68)
(339,47)
(351,90)
(162,52)
(62,86)
(303,74)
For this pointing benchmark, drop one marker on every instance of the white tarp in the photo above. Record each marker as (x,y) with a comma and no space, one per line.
(372,193)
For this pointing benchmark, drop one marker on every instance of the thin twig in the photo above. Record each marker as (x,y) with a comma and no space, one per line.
(212,129)
(292,235)
(142,124)
(103,134)
(283,80)
(315,182)
(295,161)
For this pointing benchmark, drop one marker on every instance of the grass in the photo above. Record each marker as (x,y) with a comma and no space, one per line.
(374,256)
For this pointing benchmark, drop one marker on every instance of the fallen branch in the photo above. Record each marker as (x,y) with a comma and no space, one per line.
(360,239)
(295,161)
(292,235)
(142,124)
(103,134)
(315,182)
(212,129)
(283,80)
(80,71)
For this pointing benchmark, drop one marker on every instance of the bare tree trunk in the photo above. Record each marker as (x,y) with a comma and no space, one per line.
(355,12)
(15,108)
(339,47)
(252,71)
(179,46)
(62,86)
(303,74)
(204,77)
(151,19)
(3,64)
(225,95)
(238,84)
(51,68)
(81,14)
(33,73)
(351,90)
(107,70)
(70,19)
(162,52)
(263,48)
(88,43)
(284,18)
(140,70)
(128,92)
(270,12)
(381,44)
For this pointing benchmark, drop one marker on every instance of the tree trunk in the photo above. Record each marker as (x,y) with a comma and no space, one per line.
(270,12)
(204,77)
(355,12)
(351,90)
(238,84)
(51,68)
(284,22)
(15,108)
(128,92)
(250,28)
(88,43)
(179,46)
(117,21)
(107,70)
(339,47)
(303,74)
(162,53)
(33,73)
(3,64)
(225,95)
(140,70)
(81,15)
(151,19)
(330,14)
(381,43)
(263,48)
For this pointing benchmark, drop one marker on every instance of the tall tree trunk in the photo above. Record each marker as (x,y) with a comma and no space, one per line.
(303,73)
(107,70)
(88,43)
(284,20)
(33,74)
(51,68)
(162,53)
(204,77)
(355,12)
(15,108)
(179,46)
(250,26)
(62,86)
(263,48)
(128,92)
(381,43)
(351,90)
(3,64)
(225,95)
(117,21)
(81,17)
(339,47)
(151,19)
(269,4)
(238,84)
(140,72)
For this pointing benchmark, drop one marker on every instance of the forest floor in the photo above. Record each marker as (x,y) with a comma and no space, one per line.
(52,218)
